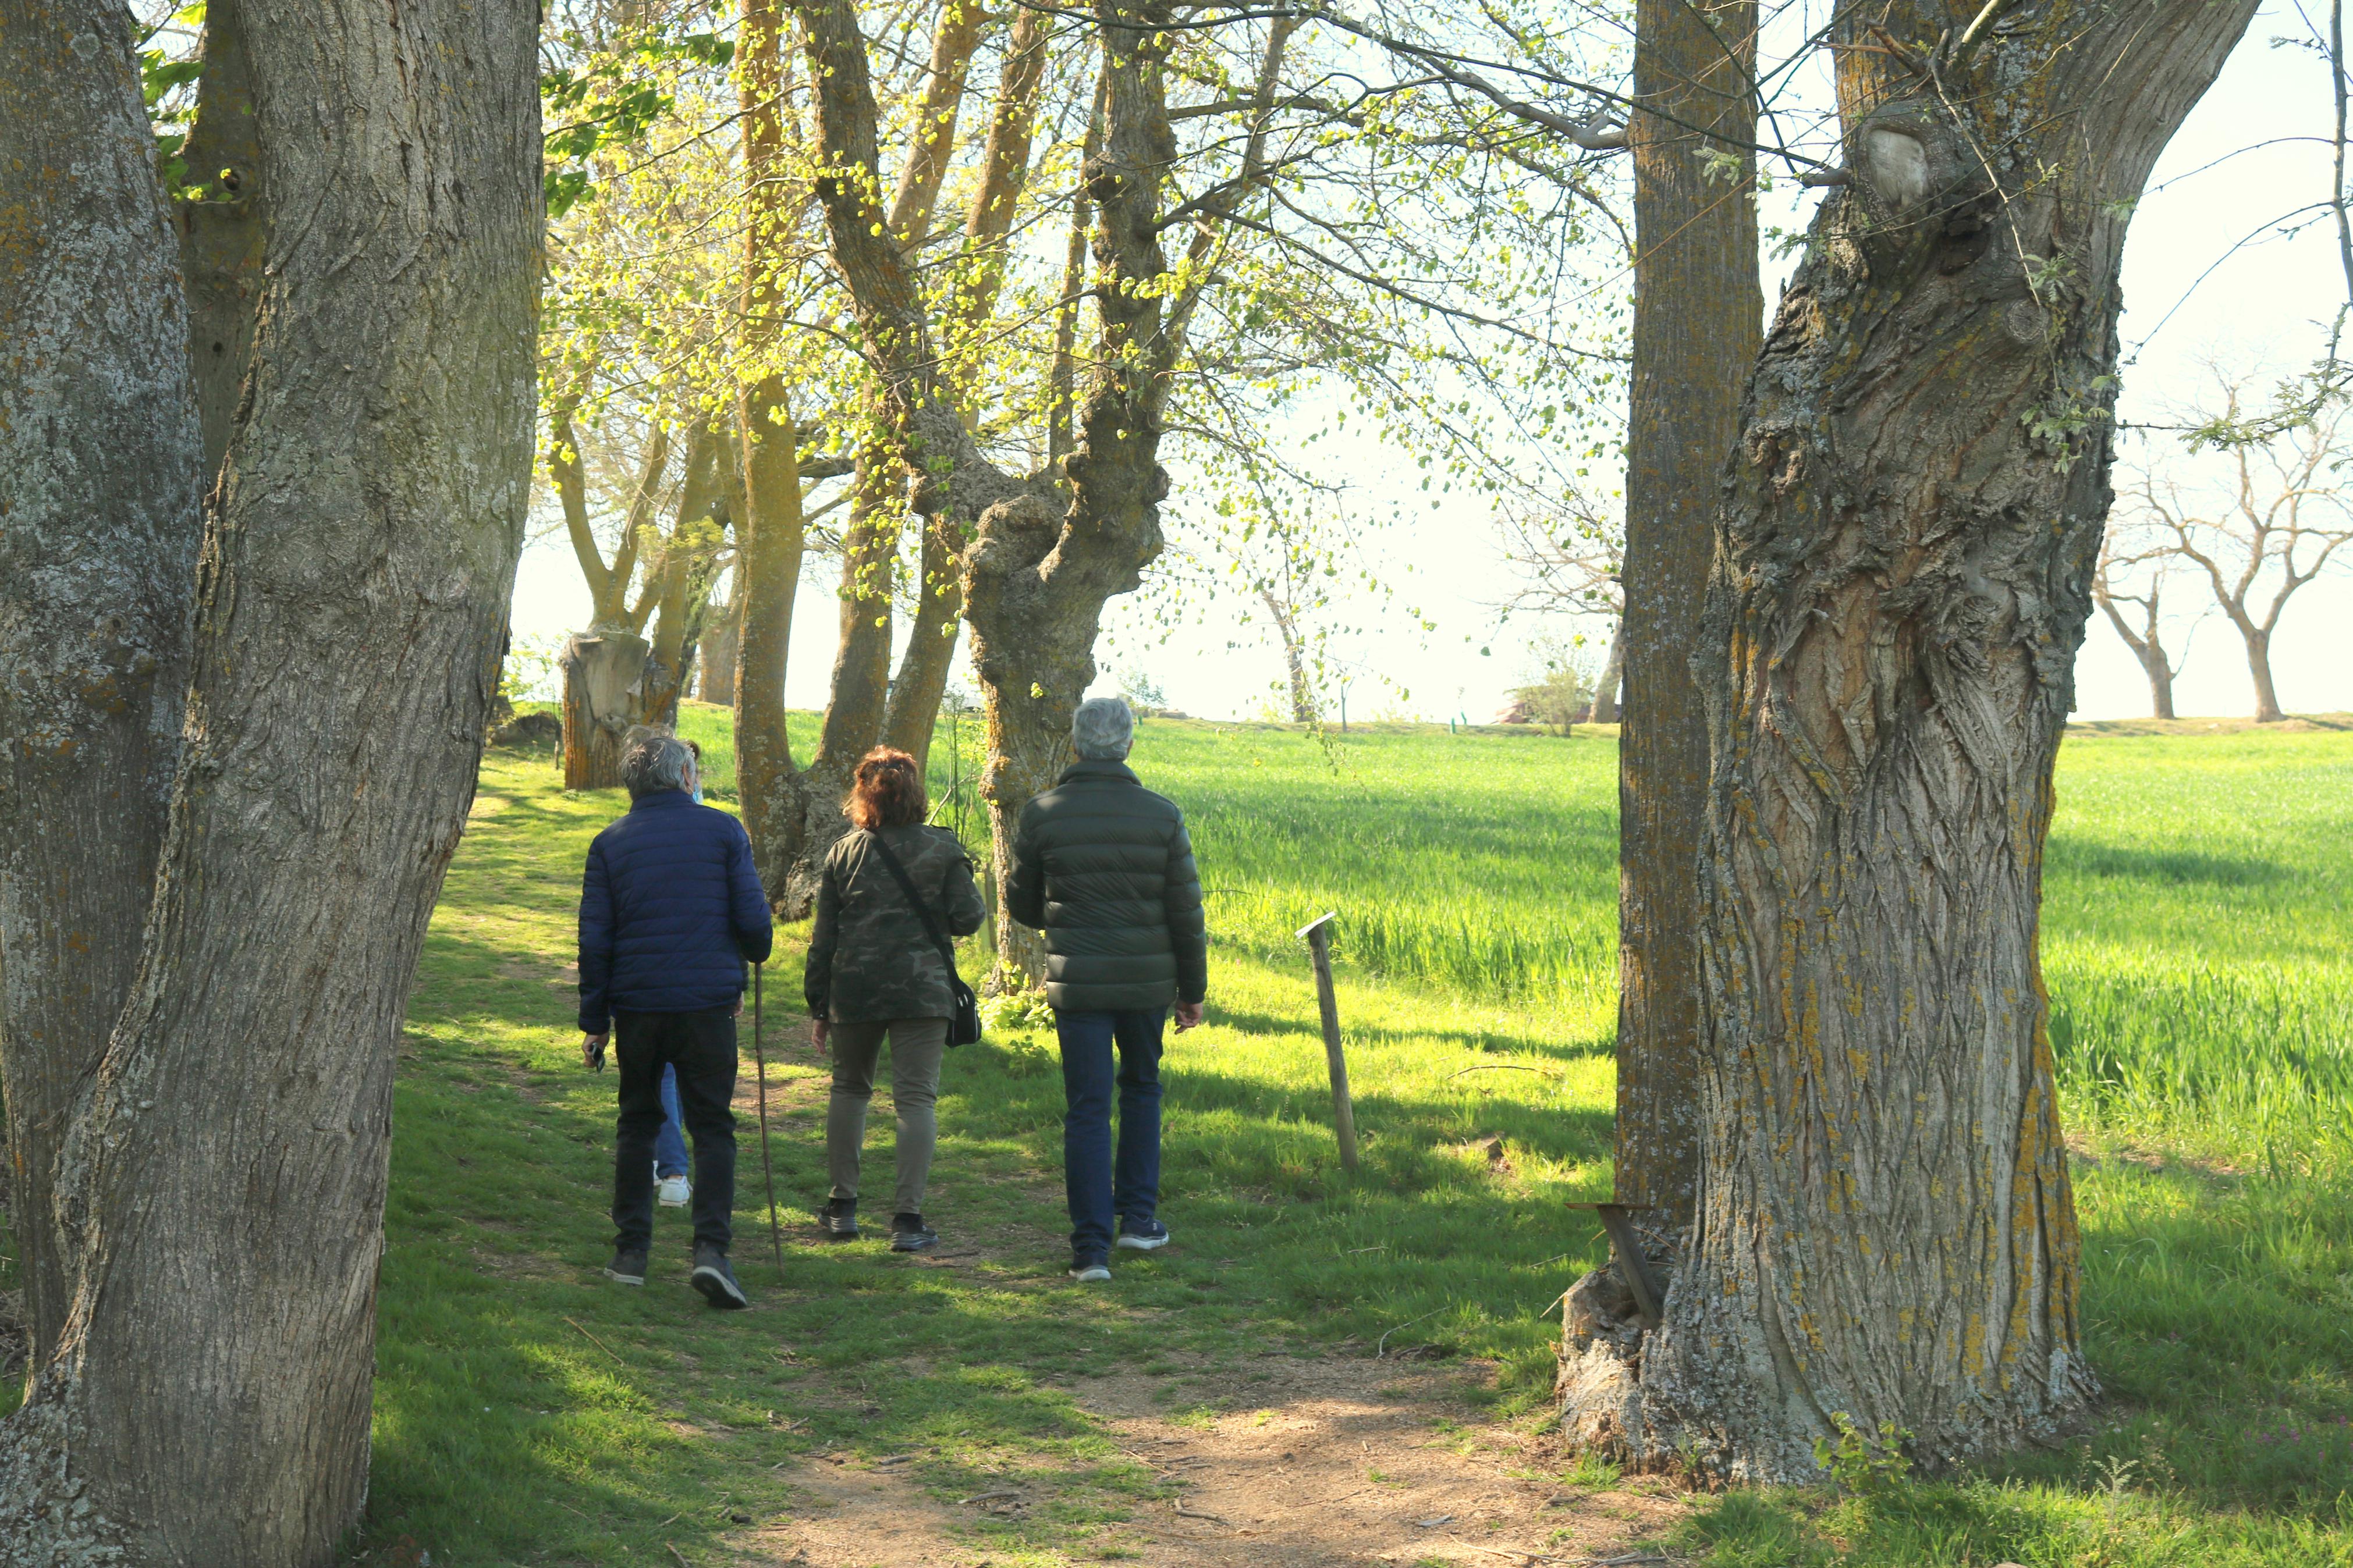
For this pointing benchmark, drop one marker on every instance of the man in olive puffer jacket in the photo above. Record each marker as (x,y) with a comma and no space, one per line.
(1102,867)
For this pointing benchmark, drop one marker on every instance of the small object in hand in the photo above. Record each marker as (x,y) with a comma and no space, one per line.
(592,1047)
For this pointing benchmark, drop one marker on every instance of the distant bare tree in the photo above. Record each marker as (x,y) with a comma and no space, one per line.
(2143,571)
(1567,559)
(2278,519)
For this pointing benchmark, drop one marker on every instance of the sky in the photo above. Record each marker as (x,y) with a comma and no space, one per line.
(2190,299)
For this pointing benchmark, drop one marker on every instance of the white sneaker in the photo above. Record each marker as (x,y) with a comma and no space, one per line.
(674,1192)
(1091,1274)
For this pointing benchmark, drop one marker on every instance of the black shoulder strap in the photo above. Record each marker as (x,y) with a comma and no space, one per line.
(898,875)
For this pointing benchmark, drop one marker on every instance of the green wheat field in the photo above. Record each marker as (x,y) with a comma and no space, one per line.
(2199,943)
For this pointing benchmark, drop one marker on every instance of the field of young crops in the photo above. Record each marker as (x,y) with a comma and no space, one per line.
(2198,923)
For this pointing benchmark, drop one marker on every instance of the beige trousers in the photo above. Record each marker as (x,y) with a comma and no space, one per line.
(916,1047)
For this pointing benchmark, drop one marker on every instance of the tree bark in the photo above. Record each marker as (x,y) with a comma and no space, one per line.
(1885,1230)
(771,532)
(1698,318)
(100,476)
(605,696)
(922,679)
(222,231)
(208,1399)
(2258,640)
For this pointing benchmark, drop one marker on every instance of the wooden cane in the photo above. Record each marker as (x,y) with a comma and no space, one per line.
(767,1172)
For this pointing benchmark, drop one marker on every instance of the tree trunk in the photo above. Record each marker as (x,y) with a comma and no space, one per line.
(771,532)
(1613,678)
(101,476)
(679,585)
(359,554)
(2259,668)
(1885,1231)
(723,629)
(222,232)
(1294,659)
(2145,646)
(606,679)
(1035,583)
(922,679)
(1698,317)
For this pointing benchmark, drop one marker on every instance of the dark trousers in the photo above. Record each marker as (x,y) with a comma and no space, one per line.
(1102,1190)
(702,1046)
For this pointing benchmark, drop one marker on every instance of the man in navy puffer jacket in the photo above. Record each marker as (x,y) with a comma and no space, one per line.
(670,911)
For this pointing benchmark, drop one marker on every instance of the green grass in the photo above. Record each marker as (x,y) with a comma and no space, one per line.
(2198,931)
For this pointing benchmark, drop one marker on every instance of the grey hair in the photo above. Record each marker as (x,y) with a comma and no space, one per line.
(653,761)
(1103,729)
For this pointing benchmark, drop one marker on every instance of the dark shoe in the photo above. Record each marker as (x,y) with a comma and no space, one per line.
(1090,1270)
(910,1234)
(628,1267)
(1142,1235)
(716,1280)
(839,1219)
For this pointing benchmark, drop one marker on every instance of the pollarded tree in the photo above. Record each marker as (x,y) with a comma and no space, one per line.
(244,712)
(1884,1229)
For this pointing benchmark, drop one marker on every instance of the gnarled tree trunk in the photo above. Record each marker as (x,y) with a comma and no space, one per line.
(1885,1230)
(1698,317)
(605,694)
(218,1174)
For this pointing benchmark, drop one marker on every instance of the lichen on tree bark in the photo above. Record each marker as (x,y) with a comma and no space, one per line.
(1884,1229)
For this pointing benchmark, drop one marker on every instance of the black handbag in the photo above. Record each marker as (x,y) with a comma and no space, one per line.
(964,1025)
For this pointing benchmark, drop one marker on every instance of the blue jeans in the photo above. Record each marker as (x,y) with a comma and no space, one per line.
(1101,1191)
(670,1143)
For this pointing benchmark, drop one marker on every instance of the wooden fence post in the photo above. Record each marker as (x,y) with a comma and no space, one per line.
(1318,933)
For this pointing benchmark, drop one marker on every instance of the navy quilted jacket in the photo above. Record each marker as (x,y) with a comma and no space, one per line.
(670,911)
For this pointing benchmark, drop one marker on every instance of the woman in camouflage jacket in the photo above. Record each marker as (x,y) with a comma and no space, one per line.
(874,970)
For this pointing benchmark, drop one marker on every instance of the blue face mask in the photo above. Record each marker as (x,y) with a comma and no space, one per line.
(698,792)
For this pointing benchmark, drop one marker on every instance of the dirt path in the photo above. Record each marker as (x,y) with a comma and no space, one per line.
(1343,1460)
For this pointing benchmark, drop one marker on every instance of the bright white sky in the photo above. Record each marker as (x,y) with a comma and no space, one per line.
(2264,308)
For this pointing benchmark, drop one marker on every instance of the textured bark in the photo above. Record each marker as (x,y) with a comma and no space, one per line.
(770,534)
(1885,1229)
(605,694)
(208,1399)
(101,477)
(1698,317)
(221,232)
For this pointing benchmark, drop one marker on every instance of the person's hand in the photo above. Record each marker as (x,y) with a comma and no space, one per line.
(592,1051)
(1188,1014)
(818,1030)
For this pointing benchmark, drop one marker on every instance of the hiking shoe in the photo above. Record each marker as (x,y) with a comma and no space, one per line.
(628,1267)
(1142,1235)
(839,1219)
(1090,1270)
(716,1280)
(910,1234)
(673,1191)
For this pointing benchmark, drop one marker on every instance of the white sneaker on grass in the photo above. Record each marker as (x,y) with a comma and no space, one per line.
(1146,1236)
(1091,1271)
(674,1192)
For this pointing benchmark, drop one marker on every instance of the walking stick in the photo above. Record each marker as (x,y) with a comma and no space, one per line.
(767,1172)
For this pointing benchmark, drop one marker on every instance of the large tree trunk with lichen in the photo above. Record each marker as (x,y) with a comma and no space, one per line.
(1698,317)
(1886,1232)
(359,552)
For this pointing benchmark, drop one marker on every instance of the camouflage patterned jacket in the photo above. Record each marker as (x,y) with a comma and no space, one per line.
(870,958)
